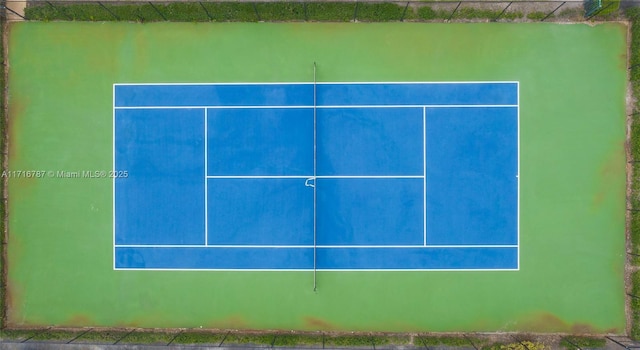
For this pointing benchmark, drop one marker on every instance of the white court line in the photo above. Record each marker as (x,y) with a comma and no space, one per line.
(206,192)
(318,107)
(325,83)
(247,246)
(113,185)
(423,106)
(450,246)
(408,270)
(355,106)
(258,177)
(308,270)
(370,177)
(315,177)
(257,246)
(218,107)
(518,176)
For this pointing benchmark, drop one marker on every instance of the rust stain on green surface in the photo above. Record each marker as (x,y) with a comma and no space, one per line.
(548,322)
(319,324)
(14,291)
(16,110)
(14,303)
(79,320)
(609,174)
(231,322)
(622,58)
(545,322)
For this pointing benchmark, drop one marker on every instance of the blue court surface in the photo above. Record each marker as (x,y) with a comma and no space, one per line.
(327,176)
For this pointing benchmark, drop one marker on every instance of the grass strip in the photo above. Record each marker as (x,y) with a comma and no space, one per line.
(277,11)
(391,340)
(478,13)
(298,340)
(3,182)
(379,12)
(609,7)
(635,305)
(151,338)
(578,343)
(281,11)
(427,13)
(536,15)
(518,345)
(231,12)
(258,340)
(454,341)
(102,337)
(58,336)
(18,335)
(633,14)
(85,12)
(199,338)
(348,341)
(330,11)
(634,223)
(184,12)
(135,13)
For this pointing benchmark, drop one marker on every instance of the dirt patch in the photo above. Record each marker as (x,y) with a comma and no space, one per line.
(317,323)
(231,322)
(12,120)
(79,320)
(610,170)
(545,322)
(12,298)
(583,328)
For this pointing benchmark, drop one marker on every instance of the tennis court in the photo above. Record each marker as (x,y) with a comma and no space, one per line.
(431,177)
(316,176)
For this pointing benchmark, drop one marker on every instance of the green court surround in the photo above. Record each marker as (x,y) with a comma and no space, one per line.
(572,174)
